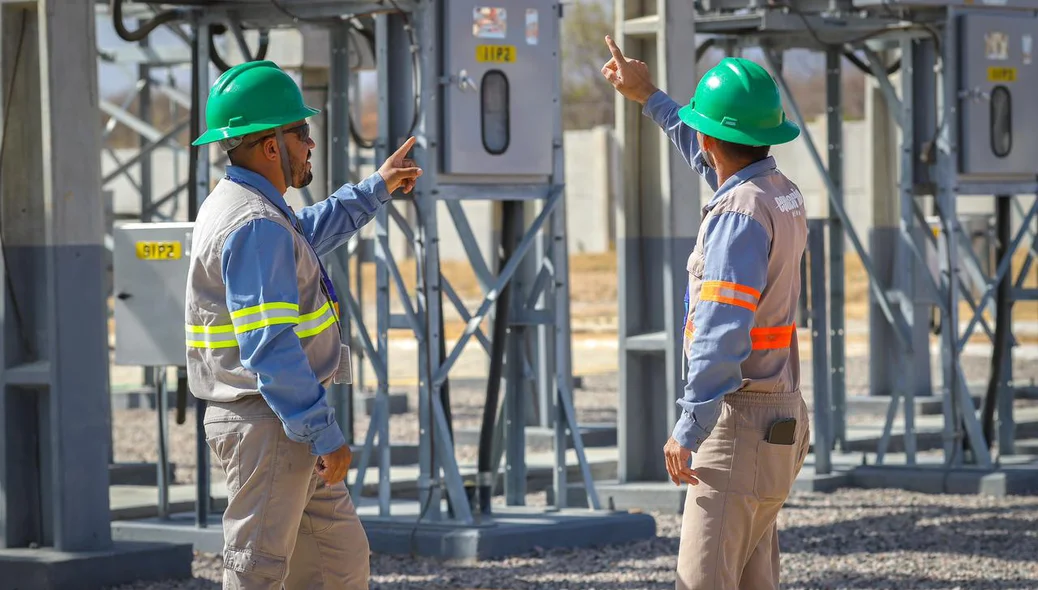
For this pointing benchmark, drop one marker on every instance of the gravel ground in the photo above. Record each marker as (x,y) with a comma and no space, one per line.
(850,539)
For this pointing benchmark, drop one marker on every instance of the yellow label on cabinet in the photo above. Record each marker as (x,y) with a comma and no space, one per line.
(1001,74)
(159,250)
(495,53)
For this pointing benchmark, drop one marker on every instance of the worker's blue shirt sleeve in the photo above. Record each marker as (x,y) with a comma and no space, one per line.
(664,112)
(736,250)
(333,221)
(259,271)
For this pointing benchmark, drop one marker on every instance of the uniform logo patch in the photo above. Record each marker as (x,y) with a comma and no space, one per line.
(790,203)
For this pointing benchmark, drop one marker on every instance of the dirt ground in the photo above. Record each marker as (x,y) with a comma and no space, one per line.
(593,292)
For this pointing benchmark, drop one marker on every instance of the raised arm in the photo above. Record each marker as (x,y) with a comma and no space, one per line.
(630,77)
(332,222)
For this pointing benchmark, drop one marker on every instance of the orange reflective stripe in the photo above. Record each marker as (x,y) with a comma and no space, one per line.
(762,338)
(730,293)
(772,338)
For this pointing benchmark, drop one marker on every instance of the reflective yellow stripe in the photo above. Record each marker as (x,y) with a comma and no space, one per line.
(263,315)
(221,336)
(264,307)
(314,323)
(260,316)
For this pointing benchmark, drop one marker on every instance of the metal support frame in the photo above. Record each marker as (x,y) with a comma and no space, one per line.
(542,294)
(902,304)
(54,401)
(657,219)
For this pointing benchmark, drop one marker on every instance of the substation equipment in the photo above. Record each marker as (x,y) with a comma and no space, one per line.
(962,105)
(478,84)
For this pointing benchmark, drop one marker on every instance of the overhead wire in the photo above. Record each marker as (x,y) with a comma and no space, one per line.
(164,17)
(28,348)
(223,66)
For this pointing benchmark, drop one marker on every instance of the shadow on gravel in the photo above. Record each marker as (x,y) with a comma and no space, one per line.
(965,531)
(644,565)
(840,581)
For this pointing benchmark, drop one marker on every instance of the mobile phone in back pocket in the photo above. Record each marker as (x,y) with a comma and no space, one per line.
(783,432)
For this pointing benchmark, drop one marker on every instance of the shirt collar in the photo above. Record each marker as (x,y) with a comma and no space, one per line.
(260,183)
(755,169)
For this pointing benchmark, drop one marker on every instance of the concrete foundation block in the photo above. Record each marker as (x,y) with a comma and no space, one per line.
(123,563)
(939,480)
(509,531)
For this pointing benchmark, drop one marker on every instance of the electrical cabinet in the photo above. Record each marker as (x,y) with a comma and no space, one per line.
(500,58)
(150,263)
(998,80)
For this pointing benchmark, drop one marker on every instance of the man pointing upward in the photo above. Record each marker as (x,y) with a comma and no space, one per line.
(264,340)
(742,414)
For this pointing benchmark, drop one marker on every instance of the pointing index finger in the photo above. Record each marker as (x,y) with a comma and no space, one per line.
(615,51)
(404,148)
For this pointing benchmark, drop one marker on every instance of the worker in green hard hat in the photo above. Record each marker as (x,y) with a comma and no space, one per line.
(264,339)
(742,434)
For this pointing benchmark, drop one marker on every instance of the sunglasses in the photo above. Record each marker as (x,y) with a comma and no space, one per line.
(301,131)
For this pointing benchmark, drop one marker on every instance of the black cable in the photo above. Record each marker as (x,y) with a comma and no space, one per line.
(261,52)
(116,8)
(1003,307)
(19,318)
(510,210)
(891,69)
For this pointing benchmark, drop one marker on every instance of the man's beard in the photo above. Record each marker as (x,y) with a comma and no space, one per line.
(300,172)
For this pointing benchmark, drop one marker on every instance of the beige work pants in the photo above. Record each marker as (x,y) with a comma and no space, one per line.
(729,537)
(283,527)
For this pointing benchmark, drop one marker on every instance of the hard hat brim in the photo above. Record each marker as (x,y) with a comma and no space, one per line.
(214,135)
(785,132)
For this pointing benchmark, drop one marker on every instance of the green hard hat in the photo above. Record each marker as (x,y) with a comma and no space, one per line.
(738,101)
(250,97)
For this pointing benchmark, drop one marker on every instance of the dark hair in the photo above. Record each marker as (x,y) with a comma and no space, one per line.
(747,154)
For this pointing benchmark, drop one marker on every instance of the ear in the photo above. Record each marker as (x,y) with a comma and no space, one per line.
(707,143)
(270,149)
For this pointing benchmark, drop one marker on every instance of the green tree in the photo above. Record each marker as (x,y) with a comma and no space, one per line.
(587,99)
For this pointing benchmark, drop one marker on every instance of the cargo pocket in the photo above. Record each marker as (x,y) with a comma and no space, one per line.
(247,561)
(225,446)
(776,470)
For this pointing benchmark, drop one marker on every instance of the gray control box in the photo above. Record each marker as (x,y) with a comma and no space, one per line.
(150,263)
(499,109)
(998,80)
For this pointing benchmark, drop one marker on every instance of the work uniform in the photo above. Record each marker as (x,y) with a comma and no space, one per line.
(264,343)
(740,343)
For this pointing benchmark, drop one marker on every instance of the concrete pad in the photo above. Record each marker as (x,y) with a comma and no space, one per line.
(644,495)
(937,479)
(809,481)
(592,435)
(508,531)
(123,563)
